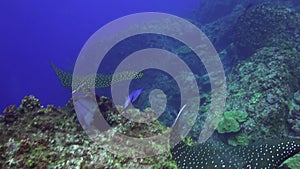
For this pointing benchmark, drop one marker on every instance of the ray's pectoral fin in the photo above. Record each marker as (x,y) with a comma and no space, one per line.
(269,155)
(64,77)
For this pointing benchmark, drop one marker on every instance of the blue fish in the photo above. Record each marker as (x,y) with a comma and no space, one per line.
(132,97)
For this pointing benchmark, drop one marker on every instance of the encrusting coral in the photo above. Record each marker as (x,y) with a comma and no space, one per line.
(33,136)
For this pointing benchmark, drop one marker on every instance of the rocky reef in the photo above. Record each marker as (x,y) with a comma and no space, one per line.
(36,137)
(263,86)
(264,82)
(294,114)
(33,136)
(266,26)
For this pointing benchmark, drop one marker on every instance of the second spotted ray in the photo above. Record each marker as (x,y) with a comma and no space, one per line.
(268,155)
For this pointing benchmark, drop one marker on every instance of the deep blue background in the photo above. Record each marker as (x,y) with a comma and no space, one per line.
(35,32)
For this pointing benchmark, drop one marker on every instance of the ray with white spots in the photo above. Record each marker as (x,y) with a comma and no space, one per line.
(268,155)
(100,80)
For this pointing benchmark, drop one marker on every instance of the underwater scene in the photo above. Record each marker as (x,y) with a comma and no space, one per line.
(198,84)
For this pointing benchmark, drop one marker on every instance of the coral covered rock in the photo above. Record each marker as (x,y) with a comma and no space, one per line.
(228,125)
(230,121)
(240,139)
(262,86)
(266,26)
(292,163)
(294,114)
(37,137)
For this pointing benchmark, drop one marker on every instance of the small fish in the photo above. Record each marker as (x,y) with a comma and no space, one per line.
(132,97)
(179,115)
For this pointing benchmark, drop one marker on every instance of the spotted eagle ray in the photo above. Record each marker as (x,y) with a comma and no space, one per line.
(100,80)
(268,155)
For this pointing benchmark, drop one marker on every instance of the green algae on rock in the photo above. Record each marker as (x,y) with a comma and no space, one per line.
(292,163)
(230,121)
(241,139)
(228,125)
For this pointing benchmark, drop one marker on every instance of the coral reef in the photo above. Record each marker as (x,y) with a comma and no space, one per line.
(52,138)
(36,137)
(230,121)
(216,9)
(220,32)
(262,86)
(294,114)
(240,139)
(266,26)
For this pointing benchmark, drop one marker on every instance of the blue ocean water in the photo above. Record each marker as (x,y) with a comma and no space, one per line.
(34,33)
(257,42)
